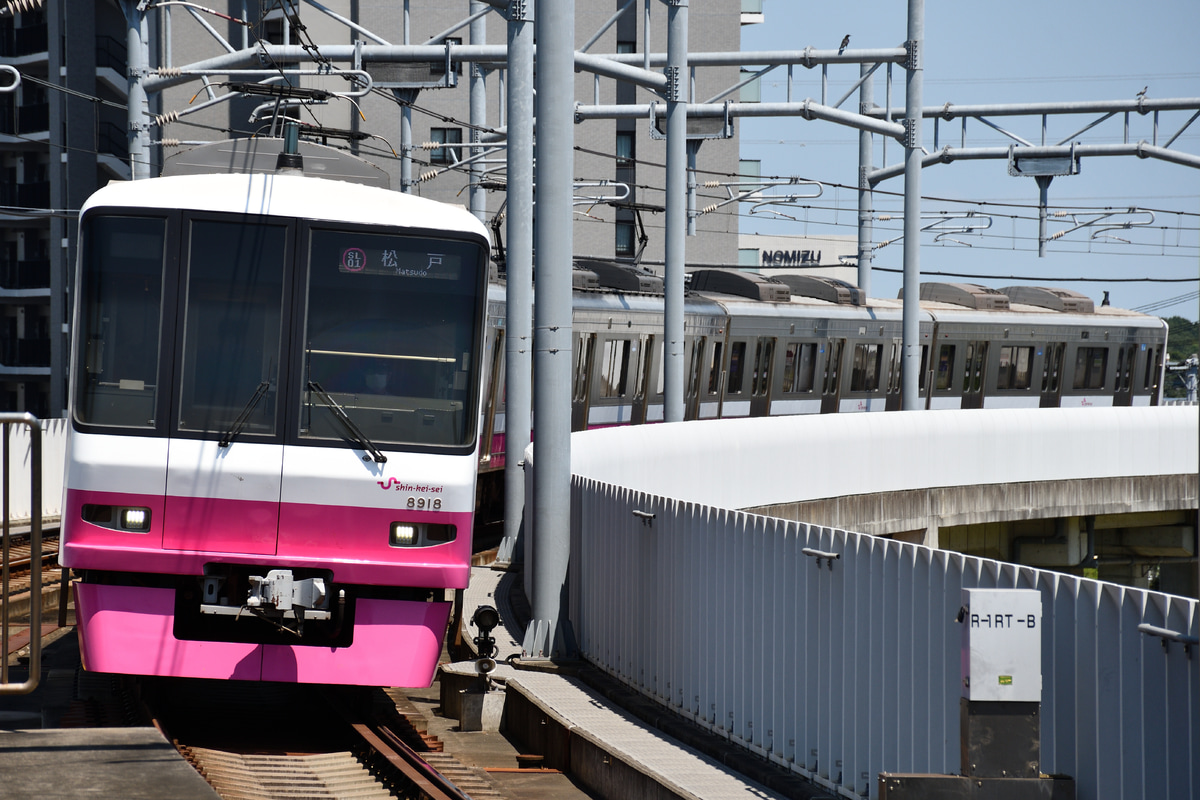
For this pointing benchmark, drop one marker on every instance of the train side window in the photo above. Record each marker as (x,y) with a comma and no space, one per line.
(737,358)
(1014,367)
(864,376)
(945,368)
(615,374)
(897,360)
(1090,366)
(800,359)
(714,369)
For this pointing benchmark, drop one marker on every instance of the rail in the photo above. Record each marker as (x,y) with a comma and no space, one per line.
(34,427)
(836,654)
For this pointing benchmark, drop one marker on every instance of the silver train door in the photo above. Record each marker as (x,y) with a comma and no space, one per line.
(760,378)
(831,386)
(1052,364)
(584,353)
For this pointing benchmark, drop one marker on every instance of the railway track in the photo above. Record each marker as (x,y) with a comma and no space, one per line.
(254,741)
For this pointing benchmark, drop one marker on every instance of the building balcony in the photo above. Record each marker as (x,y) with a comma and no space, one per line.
(24,120)
(112,64)
(28,40)
(25,353)
(34,195)
(26,274)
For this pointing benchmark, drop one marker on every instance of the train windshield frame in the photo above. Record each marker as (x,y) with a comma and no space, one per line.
(231,327)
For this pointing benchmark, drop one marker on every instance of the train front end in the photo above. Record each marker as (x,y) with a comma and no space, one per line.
(275,402)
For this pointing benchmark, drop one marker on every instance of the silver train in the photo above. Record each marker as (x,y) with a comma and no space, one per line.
(758,346)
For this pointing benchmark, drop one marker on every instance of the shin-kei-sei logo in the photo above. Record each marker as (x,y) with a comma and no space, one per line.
(401,486)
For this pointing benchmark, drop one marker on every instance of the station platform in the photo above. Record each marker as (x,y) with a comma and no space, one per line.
(39,758)
(623,749)
(131,763)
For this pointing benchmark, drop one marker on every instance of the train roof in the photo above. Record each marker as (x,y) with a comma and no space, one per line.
(287,195)
(1020,314)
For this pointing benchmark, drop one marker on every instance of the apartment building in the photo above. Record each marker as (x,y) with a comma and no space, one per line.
(62,136)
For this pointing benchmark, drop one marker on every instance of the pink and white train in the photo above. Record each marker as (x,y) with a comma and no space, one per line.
(274,441)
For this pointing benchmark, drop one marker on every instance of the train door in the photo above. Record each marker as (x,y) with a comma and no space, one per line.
(691,392)
(642,387)
(711,405)
(736,398)
(225,458)
(894,386)
(974,374)
(1123,382)
(831,385)
(1052,363)
(1152,377)
(584,353)
(760,379)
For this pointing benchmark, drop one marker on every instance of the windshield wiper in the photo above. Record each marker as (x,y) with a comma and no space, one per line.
(341,414)
(240,422)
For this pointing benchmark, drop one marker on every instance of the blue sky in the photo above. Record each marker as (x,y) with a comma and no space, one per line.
(1018,52)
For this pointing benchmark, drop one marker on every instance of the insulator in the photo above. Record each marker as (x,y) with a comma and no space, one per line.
(169,72)
(884,217)
(431,145)
(709,209)
(1057,235)
(1062,213)
(167,118)
(18,6)
(169,142)
(711,184)
(427,176)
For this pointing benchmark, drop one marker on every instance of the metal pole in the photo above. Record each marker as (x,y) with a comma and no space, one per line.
(547,635)
(910,378)
(406,181)
(866,99)
(519,305)
(478,30)
(1043,182)
(676,204)
(138,55)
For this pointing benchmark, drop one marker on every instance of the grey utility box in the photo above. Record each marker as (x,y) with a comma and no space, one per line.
(1002,645)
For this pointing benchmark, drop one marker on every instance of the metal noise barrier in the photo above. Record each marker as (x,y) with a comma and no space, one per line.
(844,661)
(35,561)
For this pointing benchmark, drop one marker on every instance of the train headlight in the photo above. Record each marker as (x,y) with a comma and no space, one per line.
(135,519)
(404,534)
(421,534)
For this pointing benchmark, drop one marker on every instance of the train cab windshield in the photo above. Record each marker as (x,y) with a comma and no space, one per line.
(389,332)
(270,329)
